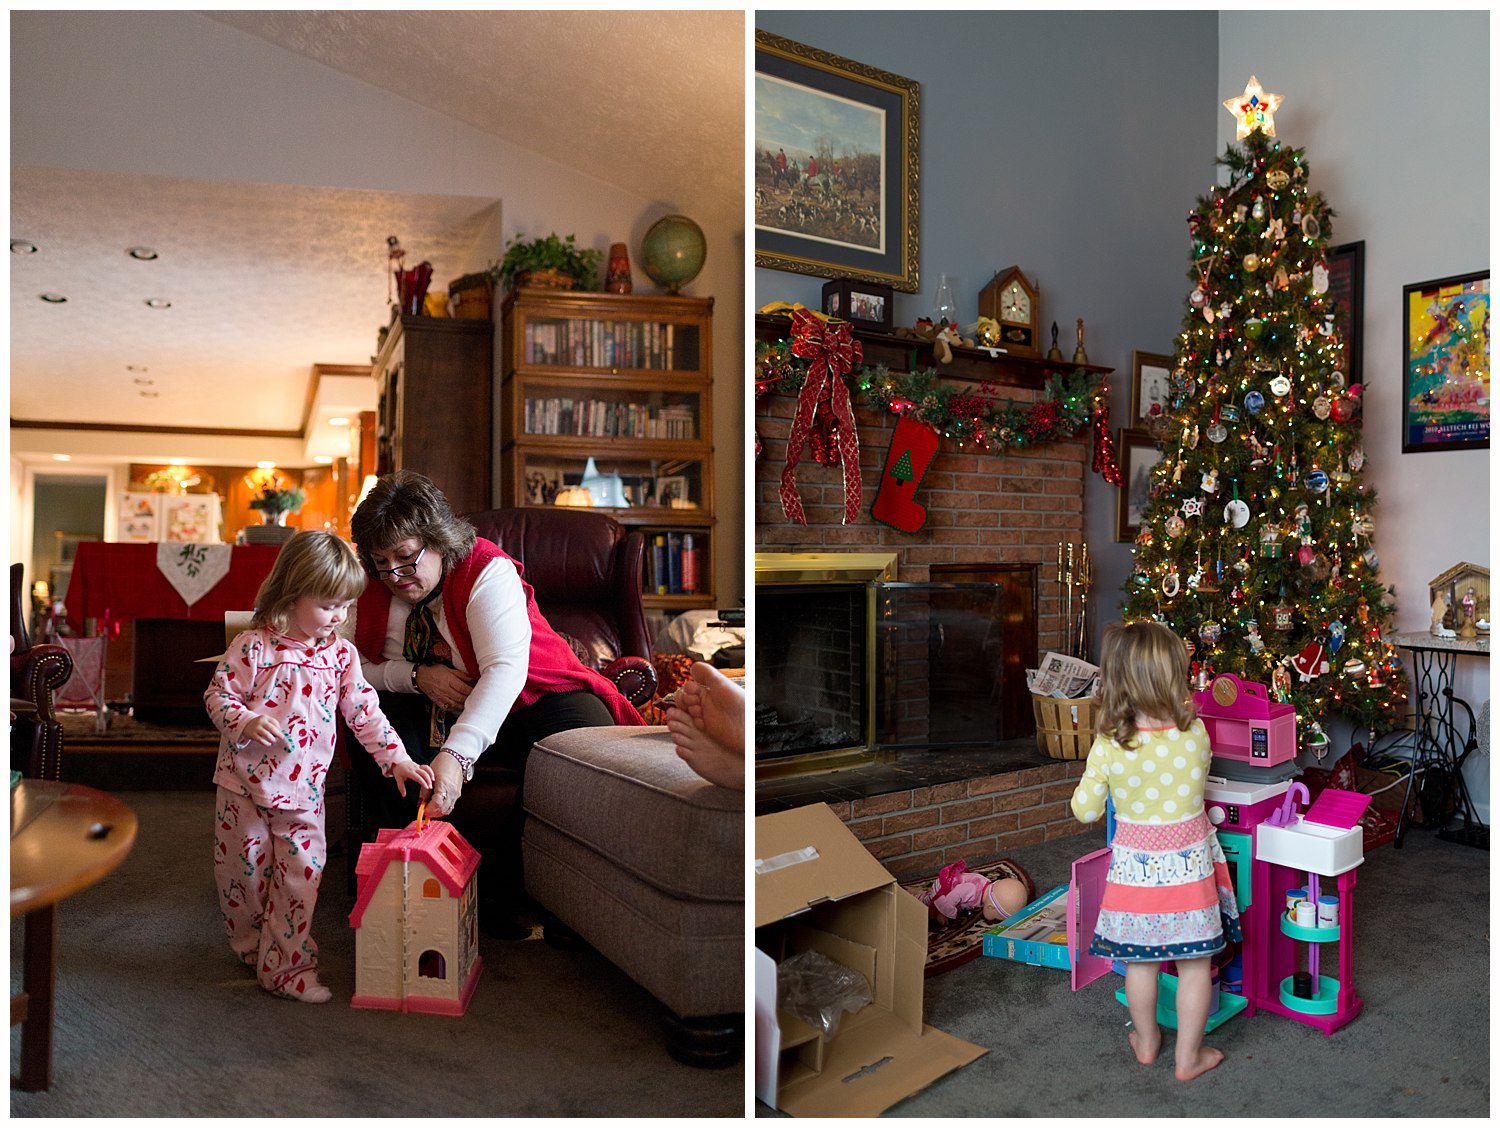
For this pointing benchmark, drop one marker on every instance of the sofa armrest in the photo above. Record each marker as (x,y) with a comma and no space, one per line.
(38,674)
(634,677)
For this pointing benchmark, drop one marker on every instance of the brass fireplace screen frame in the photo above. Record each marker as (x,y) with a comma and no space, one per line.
(788,569)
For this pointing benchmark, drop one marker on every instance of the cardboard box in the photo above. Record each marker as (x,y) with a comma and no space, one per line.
(817,888)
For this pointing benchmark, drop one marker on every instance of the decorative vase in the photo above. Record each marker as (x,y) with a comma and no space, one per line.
(617,278)
(267,517)
(412,285)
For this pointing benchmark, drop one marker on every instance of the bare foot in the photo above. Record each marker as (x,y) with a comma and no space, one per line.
(1208,1057)
(1145,1052)
(715,703)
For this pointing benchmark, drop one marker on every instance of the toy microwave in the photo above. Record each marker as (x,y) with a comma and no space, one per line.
(1244,724)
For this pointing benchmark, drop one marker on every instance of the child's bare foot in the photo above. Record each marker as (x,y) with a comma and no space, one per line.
(1145,1048)
(1208,1057)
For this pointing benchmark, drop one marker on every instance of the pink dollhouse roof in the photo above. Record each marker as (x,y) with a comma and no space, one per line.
(437,845)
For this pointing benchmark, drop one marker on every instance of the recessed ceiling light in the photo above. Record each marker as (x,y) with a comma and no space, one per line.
(143,383)
(22,247)
(325,459)
(158,303)
(150,395)
(144,254)
(55,299)
(136,368)
(62,458)
(339,421)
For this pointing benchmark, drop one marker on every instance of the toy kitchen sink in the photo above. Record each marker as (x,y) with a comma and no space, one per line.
(1326,840)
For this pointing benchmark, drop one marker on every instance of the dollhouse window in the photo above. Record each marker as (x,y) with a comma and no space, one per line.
(431,965)
(432,888)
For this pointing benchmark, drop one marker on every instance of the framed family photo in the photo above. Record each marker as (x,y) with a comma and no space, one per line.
(836,166)
(1446,369)
(1138,455)
(1150,386)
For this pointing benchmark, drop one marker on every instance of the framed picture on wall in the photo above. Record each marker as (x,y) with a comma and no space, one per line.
(1346,286)
(1138,458)
(1446,371)
(1150,386)
(836,164)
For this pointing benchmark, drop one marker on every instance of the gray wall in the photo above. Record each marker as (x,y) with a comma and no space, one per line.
(1070,143)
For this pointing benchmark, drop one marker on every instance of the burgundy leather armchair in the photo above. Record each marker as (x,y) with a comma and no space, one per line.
(586,571)
(37,672)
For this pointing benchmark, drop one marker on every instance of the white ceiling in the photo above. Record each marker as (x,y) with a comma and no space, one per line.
(267,280)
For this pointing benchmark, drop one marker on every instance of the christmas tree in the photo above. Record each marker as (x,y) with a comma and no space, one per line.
(1256,546)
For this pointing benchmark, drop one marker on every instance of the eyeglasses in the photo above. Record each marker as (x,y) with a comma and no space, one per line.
(400,571)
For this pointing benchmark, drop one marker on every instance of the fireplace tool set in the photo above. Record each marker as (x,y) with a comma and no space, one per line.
(1078,572)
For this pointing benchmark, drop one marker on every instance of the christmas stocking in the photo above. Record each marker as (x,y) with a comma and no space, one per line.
(913,447)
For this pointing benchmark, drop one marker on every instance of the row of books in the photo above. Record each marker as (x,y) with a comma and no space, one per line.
(589,343)
(605,418)
(673,564)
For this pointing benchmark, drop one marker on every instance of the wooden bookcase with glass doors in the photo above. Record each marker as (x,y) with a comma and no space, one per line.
(627,382)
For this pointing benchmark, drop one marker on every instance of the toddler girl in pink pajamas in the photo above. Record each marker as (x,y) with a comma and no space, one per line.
(275,699)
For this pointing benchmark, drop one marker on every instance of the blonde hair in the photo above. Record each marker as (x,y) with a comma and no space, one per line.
(1143,670)
(311,563)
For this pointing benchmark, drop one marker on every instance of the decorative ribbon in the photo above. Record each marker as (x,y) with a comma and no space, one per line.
(824,411)
(1106,463)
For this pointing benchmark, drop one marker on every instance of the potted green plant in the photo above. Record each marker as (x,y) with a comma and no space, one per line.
(550,263)
(275,501)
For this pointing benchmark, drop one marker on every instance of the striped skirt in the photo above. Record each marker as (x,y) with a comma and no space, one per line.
(1168,895)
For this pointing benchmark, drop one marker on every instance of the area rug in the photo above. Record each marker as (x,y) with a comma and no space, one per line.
(79,730)
(953,943)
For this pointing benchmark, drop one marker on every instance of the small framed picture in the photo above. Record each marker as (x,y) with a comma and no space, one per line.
(1138,458)
(1150,386)
(672,492)
(864,305)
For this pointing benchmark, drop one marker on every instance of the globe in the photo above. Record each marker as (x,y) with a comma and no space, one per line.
(673,251)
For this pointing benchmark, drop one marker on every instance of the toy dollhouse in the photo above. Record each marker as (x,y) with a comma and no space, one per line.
(416,921)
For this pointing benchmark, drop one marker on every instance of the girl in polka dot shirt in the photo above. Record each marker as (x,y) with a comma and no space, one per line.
(1168,895)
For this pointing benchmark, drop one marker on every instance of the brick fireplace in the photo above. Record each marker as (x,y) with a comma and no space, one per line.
(982,510)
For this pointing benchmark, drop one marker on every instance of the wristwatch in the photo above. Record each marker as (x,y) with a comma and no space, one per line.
(465,764)
(415,688)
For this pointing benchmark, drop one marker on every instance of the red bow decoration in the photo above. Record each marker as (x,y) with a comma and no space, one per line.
(824,412)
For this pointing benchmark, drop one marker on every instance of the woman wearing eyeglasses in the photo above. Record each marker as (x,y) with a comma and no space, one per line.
(451,637)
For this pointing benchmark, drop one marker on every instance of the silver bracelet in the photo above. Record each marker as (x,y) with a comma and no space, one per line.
(415,688)
(466,765)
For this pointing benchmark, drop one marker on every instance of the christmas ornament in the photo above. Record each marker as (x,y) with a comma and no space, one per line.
(1236,595)
(1315,740)
(1192,507)
(1191,646)
(1356,459)
(1276,180)
(1216,432)
(1354,668)
(1305,555)
(1255,326)
(1174,526)
(1240,213)
(1377,680)
(1311,227)
(1302,522)
(1229,413)
(1270,542)
(1251,262)
(1210,483)
(1316,481)
(1320,277)
(1237,513)
(1197,298)
(1276,232)
(1281,617)
(1171,584)
(1252,637)
(1254,402)
(1335,636)
(1345,408)
(1281,682)
(833,352)
(1280,386)
(1311,661)
(1322,407)
(913,447)
(1258,209)
(1210,632)
(1254,109)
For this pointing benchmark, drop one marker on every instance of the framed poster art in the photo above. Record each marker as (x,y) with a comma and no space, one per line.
(1138,458)
(1446,371)
(1150,386)
(836,166)
(1346,286)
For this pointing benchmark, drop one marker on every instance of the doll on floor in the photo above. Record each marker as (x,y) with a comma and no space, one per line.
(958,890)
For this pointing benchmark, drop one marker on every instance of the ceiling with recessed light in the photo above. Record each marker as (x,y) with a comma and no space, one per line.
(227,294)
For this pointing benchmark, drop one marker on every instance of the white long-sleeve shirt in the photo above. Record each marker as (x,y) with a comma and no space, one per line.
(501,633)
